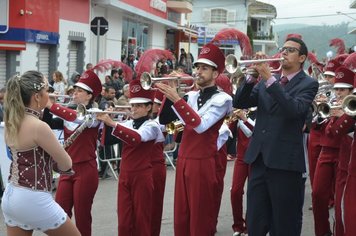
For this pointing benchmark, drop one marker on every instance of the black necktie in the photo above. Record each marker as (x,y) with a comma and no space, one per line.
(284,80)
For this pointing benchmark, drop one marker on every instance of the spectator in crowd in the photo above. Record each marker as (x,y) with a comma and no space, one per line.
(88,66)
(59,85)
(73,79)
(124,98)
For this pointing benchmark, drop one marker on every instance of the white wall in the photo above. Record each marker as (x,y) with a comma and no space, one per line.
(158,36)
(29,58)
(114,35)
(64,28)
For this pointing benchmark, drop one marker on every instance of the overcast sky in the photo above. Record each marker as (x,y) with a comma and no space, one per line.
(308,11)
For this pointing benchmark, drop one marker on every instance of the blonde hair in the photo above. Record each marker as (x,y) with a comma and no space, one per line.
(19,90)
(59,77)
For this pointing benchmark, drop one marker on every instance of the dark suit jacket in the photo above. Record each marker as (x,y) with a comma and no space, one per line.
(281,114)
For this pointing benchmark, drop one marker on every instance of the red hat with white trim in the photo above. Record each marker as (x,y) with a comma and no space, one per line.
(138,94)
(90,82)
(331,67)
(224,83)
(211,55)
(344,78)
(158,97)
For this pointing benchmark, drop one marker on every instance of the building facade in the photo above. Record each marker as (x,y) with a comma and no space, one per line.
(49,35)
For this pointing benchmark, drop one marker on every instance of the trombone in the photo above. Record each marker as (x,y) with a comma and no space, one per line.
(232,64)
(82,112)
(147,81)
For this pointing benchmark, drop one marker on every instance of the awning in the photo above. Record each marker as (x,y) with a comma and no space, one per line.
(12,45)
(115,4)
(188,31)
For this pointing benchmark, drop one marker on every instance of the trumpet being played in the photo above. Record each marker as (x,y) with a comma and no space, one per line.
(82,112)
(61,99)
(147,81)
(232,64)
(343,101)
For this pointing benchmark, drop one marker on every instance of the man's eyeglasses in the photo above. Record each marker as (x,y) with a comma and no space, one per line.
(289,49)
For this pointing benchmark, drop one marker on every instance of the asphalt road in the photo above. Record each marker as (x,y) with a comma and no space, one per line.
(104,208)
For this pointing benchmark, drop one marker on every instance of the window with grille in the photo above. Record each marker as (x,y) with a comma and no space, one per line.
(219,16)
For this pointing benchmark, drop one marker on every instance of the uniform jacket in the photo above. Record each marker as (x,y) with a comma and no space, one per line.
(280,117)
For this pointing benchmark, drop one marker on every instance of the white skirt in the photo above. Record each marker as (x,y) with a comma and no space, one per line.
(31,210)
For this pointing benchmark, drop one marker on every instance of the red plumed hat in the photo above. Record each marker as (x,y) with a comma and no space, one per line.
(331,67)
(90,82)
(344,78)
(211,55)
(227,34)
(138,94)
(158,97)
(298,36)
(350,61)
(339,44)
(224,83)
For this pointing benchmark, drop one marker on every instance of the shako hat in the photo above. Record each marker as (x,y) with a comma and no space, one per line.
(211,55)
(90,82)
(138,94)
(344,78)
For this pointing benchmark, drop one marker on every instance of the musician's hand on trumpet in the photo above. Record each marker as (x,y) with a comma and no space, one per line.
(263,69)
(169,91)
(105,117)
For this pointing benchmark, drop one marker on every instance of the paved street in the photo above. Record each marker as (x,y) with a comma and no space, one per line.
(104,209)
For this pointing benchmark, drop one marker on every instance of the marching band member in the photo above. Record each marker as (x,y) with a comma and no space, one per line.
(223,83)
(78,190)
(203,113)
(27,203)
(325,172)
(276,152)
(316,128)
(139,136)
(314,146)
(340,129)
(244,128)
(349,196)
(159,172)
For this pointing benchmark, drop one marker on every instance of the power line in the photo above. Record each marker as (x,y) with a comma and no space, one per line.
(311,16)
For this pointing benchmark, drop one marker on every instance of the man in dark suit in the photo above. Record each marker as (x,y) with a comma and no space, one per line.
(276,185)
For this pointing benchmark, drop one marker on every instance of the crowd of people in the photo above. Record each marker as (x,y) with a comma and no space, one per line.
(287,127)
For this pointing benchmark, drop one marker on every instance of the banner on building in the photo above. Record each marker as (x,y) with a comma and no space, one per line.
(4,16)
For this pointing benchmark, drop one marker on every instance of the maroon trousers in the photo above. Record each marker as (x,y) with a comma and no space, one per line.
(322,188)
(241,170)
(78,191)
(341,176)
(349,207)
(194,197)
(221,163)
(159,184)
(134,196)
(314,149)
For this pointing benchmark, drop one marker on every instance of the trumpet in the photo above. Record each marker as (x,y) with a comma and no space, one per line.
(232,64)
(64,100)
(147,80)
(174,127)
(349,105)
(82,112)
(234,115)
(324,109)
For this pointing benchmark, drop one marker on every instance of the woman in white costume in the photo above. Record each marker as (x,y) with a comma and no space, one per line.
(27,203)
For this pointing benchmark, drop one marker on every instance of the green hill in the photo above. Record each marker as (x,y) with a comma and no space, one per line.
(317,38)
